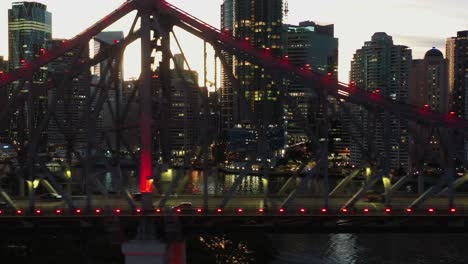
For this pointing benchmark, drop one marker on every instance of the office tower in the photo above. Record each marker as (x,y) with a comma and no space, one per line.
(457,48)
(29,27)
(177,114)
(3,101)
(450,55)
(460,62)
(428,90)
(257,23)
(184,112)
(313,46)
(382,68)
(67,128)
(105,73)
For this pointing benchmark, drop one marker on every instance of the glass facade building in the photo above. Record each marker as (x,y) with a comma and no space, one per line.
(258,23)
(29,27)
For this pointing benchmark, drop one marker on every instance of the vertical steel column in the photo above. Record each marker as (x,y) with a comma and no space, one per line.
(146,142)
(325,150)
(205,134)
(31,154)
(450,169)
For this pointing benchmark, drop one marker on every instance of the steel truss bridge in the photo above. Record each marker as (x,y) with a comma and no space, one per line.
(153,26)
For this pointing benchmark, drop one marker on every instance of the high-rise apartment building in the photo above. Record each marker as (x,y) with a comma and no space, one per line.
(382,68)
(429,82)
(428,90)
(258,23)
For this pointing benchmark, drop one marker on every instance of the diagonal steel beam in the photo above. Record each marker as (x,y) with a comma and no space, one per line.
(352,201)
(345,181)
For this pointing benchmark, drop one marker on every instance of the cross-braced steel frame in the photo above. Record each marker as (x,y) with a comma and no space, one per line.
(157,19)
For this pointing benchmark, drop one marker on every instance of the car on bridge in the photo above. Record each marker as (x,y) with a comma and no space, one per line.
(184,207)
(50,196)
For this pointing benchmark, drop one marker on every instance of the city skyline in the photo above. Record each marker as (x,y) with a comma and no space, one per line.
(417,26)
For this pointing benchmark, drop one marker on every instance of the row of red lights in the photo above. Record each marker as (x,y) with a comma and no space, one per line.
(220,210)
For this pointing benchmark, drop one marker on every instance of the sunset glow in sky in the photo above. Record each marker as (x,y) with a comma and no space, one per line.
(419,24)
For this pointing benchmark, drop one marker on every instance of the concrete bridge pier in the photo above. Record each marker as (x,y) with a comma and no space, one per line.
(146,248)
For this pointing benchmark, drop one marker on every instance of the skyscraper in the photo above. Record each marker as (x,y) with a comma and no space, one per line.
(258,23)
(29,27)
(71,104)
(382,68)
(428,90)
(312,46)
(460,62)
(450,55)
(457,48)
(3,101)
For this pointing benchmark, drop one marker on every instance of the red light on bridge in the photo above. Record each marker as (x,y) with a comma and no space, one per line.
(178,210)
(199,210)
(247,39)
(138,210)
(19,212)
(344,210)
(452,113)
(58,211)
(155,76)
(324,210)
(261,210)
(158,210)
(117,211)
(97,211)
(78,211)
(1,212)
(388,210)
(22,61)
(267,48)
(219,210)
(240,210)
(302,210)
(286,56)
(116,41)
(366,210)
(329,74)
(431,210)
(38,212)
(409,210)
(281,210)
(453,210)
(426,106)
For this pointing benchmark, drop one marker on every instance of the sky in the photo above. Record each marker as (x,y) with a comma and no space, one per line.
(418,24)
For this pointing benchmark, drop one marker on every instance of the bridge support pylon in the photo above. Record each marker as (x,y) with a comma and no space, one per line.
(145,248)
(145,251)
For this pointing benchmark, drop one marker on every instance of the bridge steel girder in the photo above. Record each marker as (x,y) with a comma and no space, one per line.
(356,96)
